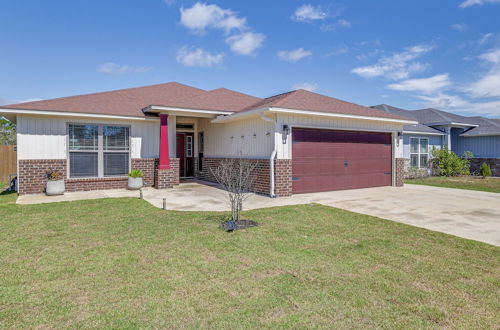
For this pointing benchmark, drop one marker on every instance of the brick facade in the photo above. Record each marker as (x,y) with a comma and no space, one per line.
(261,180)
(400,172)
(147,166)
(167,178)
(32,176)
(85,184)
(283,177)
(475,165)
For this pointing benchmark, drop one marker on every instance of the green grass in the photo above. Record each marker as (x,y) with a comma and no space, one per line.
(466,182)
(121,263)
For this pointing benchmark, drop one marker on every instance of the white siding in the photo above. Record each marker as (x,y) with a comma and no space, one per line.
(44,137)
(285,149)
(250,138)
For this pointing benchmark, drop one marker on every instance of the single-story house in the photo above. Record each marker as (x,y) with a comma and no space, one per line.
(437,129)
(302,141)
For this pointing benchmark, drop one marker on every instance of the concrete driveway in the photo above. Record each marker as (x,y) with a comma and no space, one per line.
(465,213)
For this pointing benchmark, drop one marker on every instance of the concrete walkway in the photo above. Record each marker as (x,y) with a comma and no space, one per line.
(465,213)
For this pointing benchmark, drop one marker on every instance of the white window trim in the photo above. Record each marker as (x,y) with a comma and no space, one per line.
(100,151)
(419,152)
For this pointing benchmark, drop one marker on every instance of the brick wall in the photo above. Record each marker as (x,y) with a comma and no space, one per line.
(400,171)
(169,177)
(283,177)
(261,180)
(475,165)
(85,184)
(33,174)
(147,166)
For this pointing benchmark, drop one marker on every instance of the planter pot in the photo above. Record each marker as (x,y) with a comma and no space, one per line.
(134,183)
(55,188)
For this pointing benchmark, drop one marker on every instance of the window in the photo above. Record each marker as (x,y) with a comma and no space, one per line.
(189,146)
(419,152)
(98,150)
(83,150)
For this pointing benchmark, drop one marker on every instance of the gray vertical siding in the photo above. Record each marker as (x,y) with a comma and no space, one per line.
(435,141)
(481,146)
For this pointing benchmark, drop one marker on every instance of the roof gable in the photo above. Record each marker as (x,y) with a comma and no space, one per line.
(122,102)
(218,99)
(309,101)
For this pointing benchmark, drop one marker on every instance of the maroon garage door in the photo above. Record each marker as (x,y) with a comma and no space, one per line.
(324,160)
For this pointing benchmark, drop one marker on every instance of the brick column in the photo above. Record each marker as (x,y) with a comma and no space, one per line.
(167,178)
(400,172)
(283,177)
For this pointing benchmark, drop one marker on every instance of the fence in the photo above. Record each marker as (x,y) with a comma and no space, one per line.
(8,160)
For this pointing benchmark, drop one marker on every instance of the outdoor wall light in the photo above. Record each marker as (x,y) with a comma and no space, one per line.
(286,129)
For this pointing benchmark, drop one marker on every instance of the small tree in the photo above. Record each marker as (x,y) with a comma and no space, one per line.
(7,132)
(485,170)
(447,163)
(237,177)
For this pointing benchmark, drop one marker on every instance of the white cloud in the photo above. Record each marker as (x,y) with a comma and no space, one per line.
(489,83)
(294,55)
(424,85)
(332,27)
(397,66)
(308,86)
(170,2)
(470,3)
(245,43)
(309,13)
(342,49)
(485,38)
(198,57)
(459,27)
(117,69)
(202,16)
(442,100)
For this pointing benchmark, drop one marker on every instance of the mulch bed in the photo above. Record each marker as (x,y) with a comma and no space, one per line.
(237,225)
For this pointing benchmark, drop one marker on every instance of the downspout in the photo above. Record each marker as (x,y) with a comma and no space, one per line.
(271,159)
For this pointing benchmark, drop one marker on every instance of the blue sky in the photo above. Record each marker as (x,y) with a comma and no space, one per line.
(410,54)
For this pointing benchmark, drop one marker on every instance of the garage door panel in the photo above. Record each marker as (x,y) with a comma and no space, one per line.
(318,160)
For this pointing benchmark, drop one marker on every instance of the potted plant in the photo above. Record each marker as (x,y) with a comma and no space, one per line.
(55,183)
(135,180)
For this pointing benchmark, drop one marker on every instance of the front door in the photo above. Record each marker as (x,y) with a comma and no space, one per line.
(185,154)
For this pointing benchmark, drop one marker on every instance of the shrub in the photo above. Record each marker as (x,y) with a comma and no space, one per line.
(54,175)
(485,170)
(446,163)
(135,174)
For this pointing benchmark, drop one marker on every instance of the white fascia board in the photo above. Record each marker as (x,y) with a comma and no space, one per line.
(451,124)
(422,133)
(238,116)
(159,109)
(69,114)
(340,115)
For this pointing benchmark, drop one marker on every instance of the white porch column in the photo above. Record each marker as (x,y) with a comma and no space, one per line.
(172,141)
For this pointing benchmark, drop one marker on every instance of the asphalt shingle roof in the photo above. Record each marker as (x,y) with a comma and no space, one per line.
(306,100)
(132,101)
(485,126)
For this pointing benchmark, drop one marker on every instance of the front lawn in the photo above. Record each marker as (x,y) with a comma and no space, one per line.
(121,263)
(465,182)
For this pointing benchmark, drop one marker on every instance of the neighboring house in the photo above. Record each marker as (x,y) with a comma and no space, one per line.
(437,128)
(302,141)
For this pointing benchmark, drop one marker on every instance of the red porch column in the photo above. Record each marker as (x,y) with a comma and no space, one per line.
(164,156)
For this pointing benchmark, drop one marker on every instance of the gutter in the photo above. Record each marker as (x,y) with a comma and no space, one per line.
(271,158)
